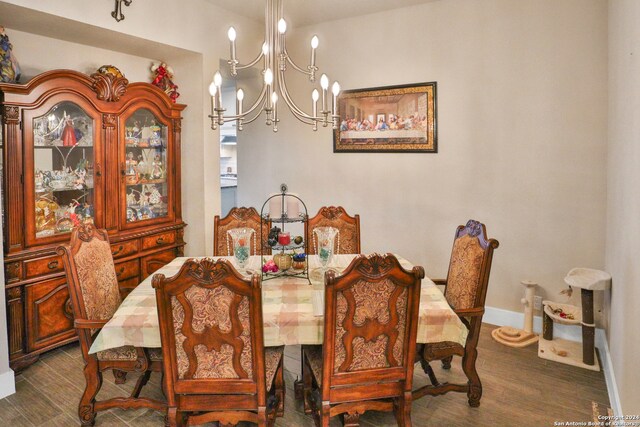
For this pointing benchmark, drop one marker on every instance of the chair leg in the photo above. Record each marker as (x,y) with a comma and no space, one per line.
(142,380)
(174,418)
(446,362)
(307,380)
(298,385)
(475,386)
(325,414)
(426,367)
(280,388)
(119,376)
(93,378)
(402,410)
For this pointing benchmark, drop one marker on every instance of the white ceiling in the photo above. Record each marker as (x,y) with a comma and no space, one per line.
(306,12)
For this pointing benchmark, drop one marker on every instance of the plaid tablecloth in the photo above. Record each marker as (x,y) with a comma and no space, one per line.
(288,311)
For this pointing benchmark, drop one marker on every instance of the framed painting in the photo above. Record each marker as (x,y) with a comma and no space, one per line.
(392,119)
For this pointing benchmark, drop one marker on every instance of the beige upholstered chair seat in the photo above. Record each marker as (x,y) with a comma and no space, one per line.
(127,352)
(272,356)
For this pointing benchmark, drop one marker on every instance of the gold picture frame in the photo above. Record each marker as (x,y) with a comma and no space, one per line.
(392,119)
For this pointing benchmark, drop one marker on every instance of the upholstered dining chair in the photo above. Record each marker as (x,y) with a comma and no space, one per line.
(465,290)
(348,238)
(94,296)
(237,218)
(216,366)
(367,357)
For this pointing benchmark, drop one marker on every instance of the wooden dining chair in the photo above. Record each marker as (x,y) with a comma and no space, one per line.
(216,366)
(237,218)
(94,296)
(465,290)
(348,239)
(370,326)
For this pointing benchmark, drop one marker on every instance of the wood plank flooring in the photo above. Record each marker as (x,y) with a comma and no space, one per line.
(519,389)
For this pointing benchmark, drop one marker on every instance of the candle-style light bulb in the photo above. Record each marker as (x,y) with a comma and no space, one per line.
(324,82)
(231,34)
(240,96)
(268,76)
(314,45)
(274,98)
(217,78)
(265,48)
(335,88)
(315,96)
(213,89)
(282,26)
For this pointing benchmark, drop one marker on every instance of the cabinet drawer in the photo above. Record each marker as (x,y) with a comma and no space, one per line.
(127,285)
(42,266)
(48,313)
(149,264)
(123,249)
(125,270)
(157,240)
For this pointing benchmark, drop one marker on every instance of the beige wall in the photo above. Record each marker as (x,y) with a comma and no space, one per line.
(623,201)
(521,136)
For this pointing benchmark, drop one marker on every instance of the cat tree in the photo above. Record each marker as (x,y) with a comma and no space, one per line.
(514,337)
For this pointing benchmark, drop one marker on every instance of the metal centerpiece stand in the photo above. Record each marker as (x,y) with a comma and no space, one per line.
(283,248)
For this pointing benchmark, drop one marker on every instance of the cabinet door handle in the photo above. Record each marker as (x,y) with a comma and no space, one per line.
(160,240)
(120,271)
(117,251)
(123,172)
(52,265)
(98,170)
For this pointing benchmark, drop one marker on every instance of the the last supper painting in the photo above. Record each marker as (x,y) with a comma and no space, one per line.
(387,119)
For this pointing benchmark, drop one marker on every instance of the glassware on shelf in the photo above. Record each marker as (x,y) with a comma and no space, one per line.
(325,242)
(240,239)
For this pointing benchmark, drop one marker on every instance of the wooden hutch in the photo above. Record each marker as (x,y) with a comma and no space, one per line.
(81,148)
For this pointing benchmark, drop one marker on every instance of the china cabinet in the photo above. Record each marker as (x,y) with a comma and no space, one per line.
(78,148)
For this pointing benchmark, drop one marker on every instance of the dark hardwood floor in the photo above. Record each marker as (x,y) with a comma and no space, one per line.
(519,389)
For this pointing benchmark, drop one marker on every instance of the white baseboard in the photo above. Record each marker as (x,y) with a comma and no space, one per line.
(500,317)
(7,384)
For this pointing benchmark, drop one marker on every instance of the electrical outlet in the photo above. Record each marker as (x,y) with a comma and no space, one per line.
(537,303)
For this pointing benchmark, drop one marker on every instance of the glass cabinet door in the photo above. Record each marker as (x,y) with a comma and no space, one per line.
(63,169)
(145,167)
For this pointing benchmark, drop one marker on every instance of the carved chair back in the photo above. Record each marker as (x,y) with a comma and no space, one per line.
(91,277)
(237,218)
(211,328)
(469,268)
(371,320)
(348,238)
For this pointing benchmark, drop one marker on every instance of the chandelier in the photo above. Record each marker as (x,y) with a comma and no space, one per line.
(274,88)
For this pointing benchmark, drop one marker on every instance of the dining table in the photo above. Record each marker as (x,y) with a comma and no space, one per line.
(293,311)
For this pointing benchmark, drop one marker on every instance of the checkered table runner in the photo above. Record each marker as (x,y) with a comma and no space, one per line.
(288,310)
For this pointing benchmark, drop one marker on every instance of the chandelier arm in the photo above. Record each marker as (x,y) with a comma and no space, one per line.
(294,65)
(251,64)
(255,105)
(290,102)
(258,114)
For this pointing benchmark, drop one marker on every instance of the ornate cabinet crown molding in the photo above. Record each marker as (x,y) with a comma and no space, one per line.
(109,83)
